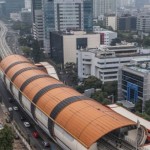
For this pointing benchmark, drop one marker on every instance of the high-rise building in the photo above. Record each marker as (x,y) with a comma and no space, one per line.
(60,15)
(13,6)
(143,22)
(25,15)
(28,4)
(2,8)
(127,23)
(37,19)
(102,7)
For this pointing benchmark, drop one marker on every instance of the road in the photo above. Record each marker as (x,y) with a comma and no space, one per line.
(37,143)
(4,48)
(27,132)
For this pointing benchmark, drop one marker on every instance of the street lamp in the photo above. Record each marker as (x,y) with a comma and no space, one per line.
(112,98)
(138,126)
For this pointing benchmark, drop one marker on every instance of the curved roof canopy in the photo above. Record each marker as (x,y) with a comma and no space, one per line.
(85,119)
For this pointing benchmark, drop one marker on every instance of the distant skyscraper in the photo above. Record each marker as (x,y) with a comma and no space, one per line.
(64,14)
(101,7)
(37,19)
(28,4)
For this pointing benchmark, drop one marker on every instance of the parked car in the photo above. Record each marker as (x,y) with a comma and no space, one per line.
(45,144)
(10,100)
(27,124)
(22,118)
(10,109)
(35,134)
(15,107)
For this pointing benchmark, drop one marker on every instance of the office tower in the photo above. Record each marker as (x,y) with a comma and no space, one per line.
(28,4)
(37,19)
(60,15)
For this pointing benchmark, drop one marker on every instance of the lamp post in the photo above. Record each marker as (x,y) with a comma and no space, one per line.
(138,126)
(112,98)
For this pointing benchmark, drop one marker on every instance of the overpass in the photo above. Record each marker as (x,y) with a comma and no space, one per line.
(74,121)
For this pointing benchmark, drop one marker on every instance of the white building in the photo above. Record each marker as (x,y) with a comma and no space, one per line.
(64,45)
(102,7)
(105,61)
(106,36)
(28,4)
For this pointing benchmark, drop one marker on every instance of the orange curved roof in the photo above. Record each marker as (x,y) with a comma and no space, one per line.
(86,120)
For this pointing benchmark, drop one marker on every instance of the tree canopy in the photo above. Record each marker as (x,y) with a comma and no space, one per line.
(92,82)
(6,138)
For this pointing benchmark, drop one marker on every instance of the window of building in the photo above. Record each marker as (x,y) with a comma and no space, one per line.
(81,43)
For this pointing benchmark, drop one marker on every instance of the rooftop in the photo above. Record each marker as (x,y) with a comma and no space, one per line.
(140,64)
(139,69)
(72,32)
(122,111)
(122,50)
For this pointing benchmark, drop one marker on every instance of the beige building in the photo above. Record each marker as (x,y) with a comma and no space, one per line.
(64,45)
(111,21)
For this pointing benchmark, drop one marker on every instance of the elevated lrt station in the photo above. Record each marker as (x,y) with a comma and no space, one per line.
(71,119)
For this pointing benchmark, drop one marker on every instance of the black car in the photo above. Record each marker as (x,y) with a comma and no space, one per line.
(45,144)
(10,100)
(22,118)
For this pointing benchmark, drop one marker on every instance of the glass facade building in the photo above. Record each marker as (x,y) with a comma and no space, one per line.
(88,15)
(36,5)
(61,15)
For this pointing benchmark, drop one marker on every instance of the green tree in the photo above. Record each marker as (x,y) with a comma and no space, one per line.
(147,107)
(115,41)
(26,50)
(110,88)
(144,115)
(80,88)
(24,28)
(146,42)
(101,97)
(92,82)
(138,106)
(70,70)
(6,138)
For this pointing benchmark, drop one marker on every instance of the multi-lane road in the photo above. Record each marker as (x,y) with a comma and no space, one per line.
(4,48)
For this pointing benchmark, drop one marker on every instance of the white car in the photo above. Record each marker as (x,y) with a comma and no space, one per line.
(15,108)
(27,124)
(10,109)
